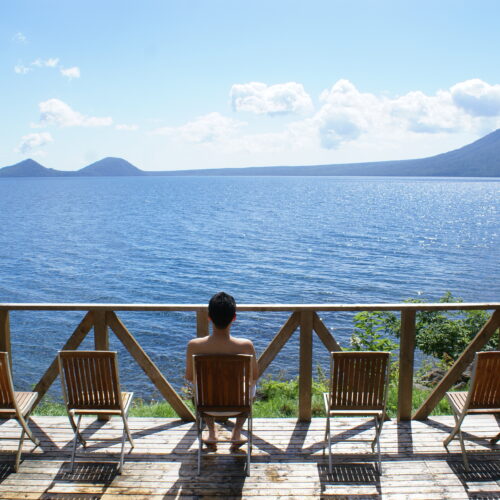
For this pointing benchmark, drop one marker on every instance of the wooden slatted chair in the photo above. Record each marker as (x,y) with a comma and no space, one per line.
(16,405)
(91,386)
(358,387)
(223,385)
(482,397)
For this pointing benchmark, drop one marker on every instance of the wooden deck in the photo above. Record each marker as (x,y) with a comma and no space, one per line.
(287,461)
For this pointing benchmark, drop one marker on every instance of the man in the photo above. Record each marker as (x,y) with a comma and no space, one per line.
(221,313)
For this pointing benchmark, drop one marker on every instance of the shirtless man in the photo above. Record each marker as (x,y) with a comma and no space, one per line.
(222,313)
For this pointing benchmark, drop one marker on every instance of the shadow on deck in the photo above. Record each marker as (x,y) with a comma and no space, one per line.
(287,461)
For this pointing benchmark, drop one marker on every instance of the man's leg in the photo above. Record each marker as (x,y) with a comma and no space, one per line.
(236,436)
(212,436)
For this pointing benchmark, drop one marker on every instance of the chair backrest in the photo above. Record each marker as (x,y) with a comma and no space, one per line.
(359,380)
(222,381)
(7,398)
(90,379)
(485,386)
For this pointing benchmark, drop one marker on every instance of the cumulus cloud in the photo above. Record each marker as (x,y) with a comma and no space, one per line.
(57,112)
(477,97)
(210,128)
(123,126)
(19,38)
(47,63)
(71,73)
(33,141)
(259,98)
(51,62)
(21,70)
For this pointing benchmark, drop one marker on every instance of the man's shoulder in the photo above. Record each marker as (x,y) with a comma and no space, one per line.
(240,341)
(197,341)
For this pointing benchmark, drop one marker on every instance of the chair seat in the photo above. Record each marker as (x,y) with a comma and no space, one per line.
(458,399)
(25,401)
(126,398)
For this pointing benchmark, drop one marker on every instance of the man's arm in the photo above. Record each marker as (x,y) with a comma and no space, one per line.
(189,362)
(255,366)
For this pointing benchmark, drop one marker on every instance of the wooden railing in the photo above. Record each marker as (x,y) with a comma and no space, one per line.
(305,317)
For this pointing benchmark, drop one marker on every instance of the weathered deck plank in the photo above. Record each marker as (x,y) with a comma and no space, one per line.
(287,461)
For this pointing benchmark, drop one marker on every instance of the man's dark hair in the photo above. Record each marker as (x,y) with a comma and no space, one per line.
(221,309)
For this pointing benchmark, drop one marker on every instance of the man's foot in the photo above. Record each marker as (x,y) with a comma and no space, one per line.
(236,444)
(211,444)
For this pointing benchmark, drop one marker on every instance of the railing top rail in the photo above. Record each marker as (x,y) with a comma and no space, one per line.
(439,306)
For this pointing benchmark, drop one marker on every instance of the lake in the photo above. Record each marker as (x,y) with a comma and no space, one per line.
(262,239)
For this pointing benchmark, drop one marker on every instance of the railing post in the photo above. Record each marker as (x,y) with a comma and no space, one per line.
(101,334)
(101,341)
(5,334)
(202,323)
(305,366)
(406,360)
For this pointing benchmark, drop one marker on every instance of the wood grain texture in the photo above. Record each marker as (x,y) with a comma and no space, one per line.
(287,461)
(75,339)
(305,366)
(149,368)
(5,334)
(280,339)
(458,367)
(324,334)
(406,364)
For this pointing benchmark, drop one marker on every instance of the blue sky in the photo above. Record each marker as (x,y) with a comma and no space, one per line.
(175,85)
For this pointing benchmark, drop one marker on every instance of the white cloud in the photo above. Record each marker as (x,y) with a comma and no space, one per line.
(19,38)
(123,126)
(57,112)
(21,70)
(477,97)
(47,63)
(32,141)
(71,73)
(259,98)
(210,128)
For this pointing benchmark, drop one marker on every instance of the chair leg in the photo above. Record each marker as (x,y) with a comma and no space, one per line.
(464,453)
(75,427)
(19,449)
(376,441)
(75,440)
(328,434)
(127,429)
(24,425)
(200,444)
(249,444)
(458,423)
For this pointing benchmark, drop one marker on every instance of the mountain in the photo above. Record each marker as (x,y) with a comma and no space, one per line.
(479,159)
(106,167)
(29,168)
(110,167)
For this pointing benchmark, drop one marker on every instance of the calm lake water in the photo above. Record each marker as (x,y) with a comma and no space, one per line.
(262,239)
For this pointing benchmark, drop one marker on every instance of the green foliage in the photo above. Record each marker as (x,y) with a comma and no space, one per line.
(442,334)
(371,329)
(446,334)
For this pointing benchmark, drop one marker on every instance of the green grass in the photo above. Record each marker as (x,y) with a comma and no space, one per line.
(276,398)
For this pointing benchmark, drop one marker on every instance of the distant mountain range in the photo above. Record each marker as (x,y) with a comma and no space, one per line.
(479,159)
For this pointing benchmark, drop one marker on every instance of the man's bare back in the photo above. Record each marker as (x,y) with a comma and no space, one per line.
(222,313)
(219,344)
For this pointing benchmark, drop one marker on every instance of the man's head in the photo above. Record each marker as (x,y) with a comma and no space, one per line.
(222,309)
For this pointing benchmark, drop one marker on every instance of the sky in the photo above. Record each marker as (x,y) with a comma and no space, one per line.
(172,85)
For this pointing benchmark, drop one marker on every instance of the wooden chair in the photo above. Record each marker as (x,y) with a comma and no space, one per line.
(482,397)
(91,386)
(358,387)
(223,386)
(16,405)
